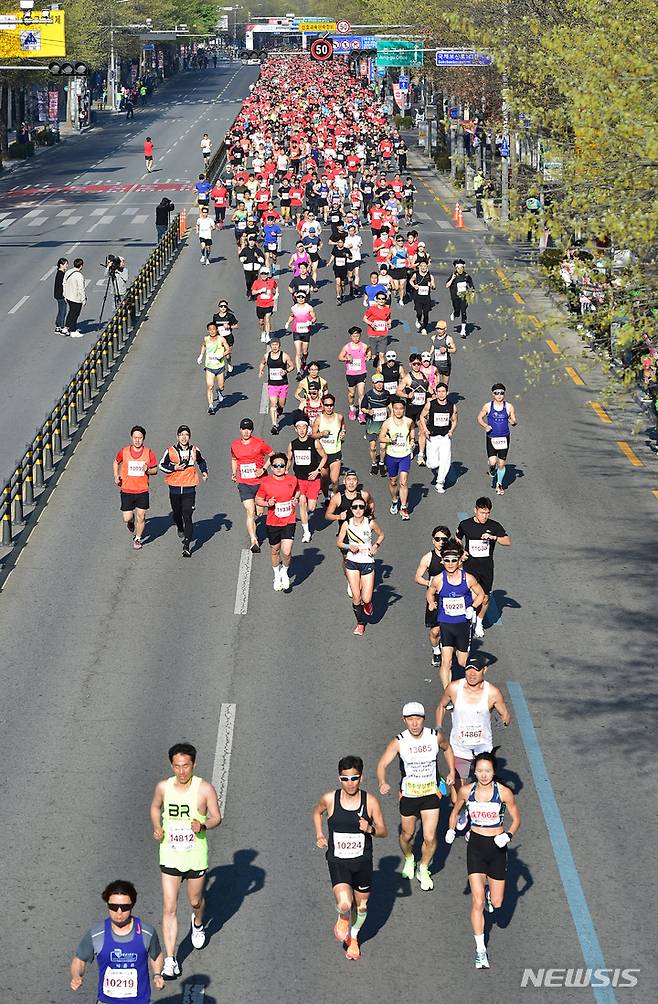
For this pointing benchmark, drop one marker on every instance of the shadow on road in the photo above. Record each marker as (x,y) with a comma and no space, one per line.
(387,886)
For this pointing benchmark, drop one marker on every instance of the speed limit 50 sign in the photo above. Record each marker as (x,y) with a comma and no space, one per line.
(343,27)
(321,49)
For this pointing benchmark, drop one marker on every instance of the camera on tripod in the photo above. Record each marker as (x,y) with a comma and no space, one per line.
(112,263)
(117,279)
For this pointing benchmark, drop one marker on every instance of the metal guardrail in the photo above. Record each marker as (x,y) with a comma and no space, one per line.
(42,461)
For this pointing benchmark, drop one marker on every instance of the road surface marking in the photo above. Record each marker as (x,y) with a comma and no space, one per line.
(65,212)
(242,588)
(627,450)
(17,306)
(4,224)
(264,400)
(37,221)
(535,320)
(129,212)
(70,221)
(443,224)
(654,491)
(501,275)
(32,212)
(223,749)
(97,212)
(571,883)
(142,218)
(48,274)
(576,377)
(601,412)
(518,297)
(553,346)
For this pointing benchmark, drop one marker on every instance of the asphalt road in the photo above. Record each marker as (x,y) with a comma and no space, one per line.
(111,655)
(87,197)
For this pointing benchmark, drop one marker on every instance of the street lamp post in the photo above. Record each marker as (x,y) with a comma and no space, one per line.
(111,70)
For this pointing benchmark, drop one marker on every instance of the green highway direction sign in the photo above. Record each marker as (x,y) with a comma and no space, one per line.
(399,52)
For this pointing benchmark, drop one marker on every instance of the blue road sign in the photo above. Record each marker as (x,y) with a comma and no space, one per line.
(462,57)
(353,43)
(403,84)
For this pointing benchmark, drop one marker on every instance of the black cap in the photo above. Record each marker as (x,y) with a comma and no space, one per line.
(247,423)
(183,428)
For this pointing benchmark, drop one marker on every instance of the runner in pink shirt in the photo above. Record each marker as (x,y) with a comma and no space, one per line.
(355,354)
(301,320)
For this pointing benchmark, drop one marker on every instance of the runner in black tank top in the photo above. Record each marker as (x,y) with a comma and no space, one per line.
(354,817)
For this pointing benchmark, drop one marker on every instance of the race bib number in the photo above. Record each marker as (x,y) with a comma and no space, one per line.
(181,837)
(454,606)
(302,327)
(283,509)
(423,291)
(379,326)
(302,457)
(136,468)
(266,294)
(247,470)
(354,366)
(462,287)
(479,548)
(120,984)
(391,387)
(329,442)
(470,735)
(379,414)
(276,373)
(271,246)
(441,419)
(415,789)
(418,397)
(499,442)
(349,845)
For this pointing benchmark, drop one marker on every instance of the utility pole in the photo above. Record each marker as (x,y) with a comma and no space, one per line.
(504,204)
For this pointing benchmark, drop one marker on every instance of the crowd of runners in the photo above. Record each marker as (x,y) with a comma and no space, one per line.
(313,162)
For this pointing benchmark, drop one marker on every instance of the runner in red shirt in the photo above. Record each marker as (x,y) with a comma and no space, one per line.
(296,200)
(378,319)
(133,466)
(219,196)
(148,153)
(279,492)
(376,217)
(249,458)
(266,291)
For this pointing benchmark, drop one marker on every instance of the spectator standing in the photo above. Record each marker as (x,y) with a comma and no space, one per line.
(76,297)
(162,213)
(58,293)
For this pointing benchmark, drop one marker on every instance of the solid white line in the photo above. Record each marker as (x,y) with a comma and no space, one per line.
(264,400)
(72,248)
(223,750)
(242,587)
(18,306)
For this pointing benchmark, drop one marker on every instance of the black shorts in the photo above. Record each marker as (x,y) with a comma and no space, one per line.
(247,493)
(262,312)
(191,874)
(484,857)
(398,273)
(457,636)
(430,618)
(493,452)
(354,379)
(205,242)
(364,567)
(414,806)
(414,411)
(333,458)
(355,872)
(484,576)
(314,256)
(230,339)
(275,534)
(134,500)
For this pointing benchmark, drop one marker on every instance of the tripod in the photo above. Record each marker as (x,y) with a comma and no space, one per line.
(111,281)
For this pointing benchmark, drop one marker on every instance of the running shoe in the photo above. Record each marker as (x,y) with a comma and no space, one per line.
(352,414)
(436,659)
(211,409)
(420,460)
(500,490)
(478,630)
(383,473)
(187,552)
(367,609)
(359,629)
(306,537)
(277,585)
(76,334)
(374,470)
(462,821)
(424,877)
(285,581)
(275,430)
(395,507)
(229,367)
(299,375)
(481,960)
(409,867)
(181,534)
(404,512)
(488,905)
(439,489)
(131,525)
(220,398)
(342,929)
(353,950)
(417,325)
(361,418)
(170,969)
(198,934)
(137,544)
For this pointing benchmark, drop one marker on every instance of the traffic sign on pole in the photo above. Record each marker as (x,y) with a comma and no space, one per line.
(462,57)
(316,26)
(403,84)
(321,49)
(343,27)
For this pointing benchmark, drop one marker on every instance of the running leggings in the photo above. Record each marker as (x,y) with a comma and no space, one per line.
(182,507)
(459,307)
(422,306)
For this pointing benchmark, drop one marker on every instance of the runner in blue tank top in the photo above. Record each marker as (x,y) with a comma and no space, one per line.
(454,595)
(496,418)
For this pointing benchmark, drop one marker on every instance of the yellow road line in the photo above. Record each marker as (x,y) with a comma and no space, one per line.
(601,412)
(501,275)
(553,346)
(576,377)
(518,297)
(630,453)
(535,321)
(655,492)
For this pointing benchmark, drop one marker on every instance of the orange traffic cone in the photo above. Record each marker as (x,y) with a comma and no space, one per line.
(455,215)
(182,228)
(460,219)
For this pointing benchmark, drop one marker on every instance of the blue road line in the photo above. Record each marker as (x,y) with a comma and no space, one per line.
(573,890)
(494,615)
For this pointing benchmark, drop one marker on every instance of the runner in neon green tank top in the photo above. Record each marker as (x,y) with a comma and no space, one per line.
(183,809)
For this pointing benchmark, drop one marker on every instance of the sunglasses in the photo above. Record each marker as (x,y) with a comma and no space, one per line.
(356,507)
(278,465)
(498,393)
(439,538)
(328,404)
(451,561)
(349,777)
(120,907)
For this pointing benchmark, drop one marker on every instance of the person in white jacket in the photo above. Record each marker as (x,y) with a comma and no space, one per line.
(75,296)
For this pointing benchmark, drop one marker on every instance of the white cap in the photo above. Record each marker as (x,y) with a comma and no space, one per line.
(413,708)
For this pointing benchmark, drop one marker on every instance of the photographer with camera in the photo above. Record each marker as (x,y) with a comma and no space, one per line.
(117,278)
(163,211)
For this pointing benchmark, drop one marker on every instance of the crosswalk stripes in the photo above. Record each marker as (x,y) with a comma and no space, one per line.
(97,217)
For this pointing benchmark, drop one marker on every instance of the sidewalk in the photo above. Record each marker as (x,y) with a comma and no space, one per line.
(543,318)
